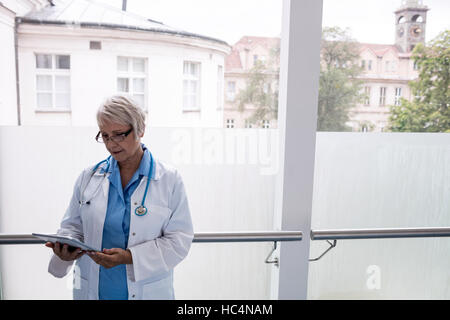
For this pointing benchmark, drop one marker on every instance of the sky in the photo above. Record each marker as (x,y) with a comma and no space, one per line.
(370,21)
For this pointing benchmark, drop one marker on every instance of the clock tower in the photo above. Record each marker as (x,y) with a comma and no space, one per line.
(410,22)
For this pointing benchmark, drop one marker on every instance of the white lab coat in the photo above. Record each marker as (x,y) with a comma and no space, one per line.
(158,241)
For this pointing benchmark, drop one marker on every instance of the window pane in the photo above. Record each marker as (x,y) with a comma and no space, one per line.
(139,99)
(139,85)
(122,64)
(122,85)
(44,83)
(62,84)
(194,69)
(193,87)
(62,100)
(185,87)
(138,65)
(185,101)
(43,61)
(44,100)
(62,62)
(193,102)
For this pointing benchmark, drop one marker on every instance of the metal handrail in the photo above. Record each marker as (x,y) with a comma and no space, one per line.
(349,234)
(274,236)
(247,236)
(270,236)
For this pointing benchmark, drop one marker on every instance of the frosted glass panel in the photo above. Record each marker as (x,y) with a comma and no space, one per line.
(381,181)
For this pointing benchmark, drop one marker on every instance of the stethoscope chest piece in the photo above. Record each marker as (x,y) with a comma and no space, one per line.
(141,211)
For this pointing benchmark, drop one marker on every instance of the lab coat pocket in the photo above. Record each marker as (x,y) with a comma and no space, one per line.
(159,290)
(80,288)
(151,225)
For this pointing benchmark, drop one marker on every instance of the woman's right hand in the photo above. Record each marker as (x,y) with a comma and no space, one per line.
(63,251)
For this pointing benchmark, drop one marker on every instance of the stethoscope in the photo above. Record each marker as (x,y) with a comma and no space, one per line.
(139,211)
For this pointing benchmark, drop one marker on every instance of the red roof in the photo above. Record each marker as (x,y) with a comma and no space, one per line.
(233,60)
(381,49)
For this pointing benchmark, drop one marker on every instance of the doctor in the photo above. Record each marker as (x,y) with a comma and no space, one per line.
(133,206)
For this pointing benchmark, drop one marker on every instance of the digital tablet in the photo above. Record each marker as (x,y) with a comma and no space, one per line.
(65,240)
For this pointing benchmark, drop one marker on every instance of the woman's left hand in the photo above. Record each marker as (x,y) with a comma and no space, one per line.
(109,258)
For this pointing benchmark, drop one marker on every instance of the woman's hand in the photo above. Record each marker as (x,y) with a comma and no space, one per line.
(63,252)
(109,258)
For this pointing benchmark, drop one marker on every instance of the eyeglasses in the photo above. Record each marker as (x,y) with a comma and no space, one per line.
(102,138)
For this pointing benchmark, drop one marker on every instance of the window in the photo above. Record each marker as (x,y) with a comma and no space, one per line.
(53,81)
(191,85)
(398,95)
(369,64)
(230,123)
(219,87)
(248,124)
(416,66)
(131,79)
(231,90)
(382,96)
(363,64)
(255,59)
(266,124)
(367,96)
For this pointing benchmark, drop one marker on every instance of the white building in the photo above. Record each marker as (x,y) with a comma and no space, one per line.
(72,54)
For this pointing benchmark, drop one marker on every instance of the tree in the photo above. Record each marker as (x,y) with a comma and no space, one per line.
(339,88)
(261,89)
(430,109)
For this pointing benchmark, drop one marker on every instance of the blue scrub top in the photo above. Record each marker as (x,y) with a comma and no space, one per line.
(113,282)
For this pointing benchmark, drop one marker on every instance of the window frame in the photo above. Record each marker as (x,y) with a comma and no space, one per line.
(131,75)
(189,78)
(382,101)
(52,72)
(398,96)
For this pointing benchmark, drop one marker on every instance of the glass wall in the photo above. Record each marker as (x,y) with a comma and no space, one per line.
(373,85)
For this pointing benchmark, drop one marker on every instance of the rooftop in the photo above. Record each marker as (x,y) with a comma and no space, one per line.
(90,13)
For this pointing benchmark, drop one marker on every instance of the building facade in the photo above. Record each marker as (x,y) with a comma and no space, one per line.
(71,55)
(245,54)
(387,70)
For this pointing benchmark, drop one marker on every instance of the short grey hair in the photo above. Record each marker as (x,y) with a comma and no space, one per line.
(123,110)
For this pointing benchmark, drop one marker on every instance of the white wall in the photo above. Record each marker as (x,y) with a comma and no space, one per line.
(8,96)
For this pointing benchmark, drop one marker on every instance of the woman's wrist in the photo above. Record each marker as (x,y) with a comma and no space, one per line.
(128,257)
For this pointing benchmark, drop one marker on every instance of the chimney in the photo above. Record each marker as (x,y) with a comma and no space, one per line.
(124,5)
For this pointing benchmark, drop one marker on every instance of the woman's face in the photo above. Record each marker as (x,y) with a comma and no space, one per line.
(123,151)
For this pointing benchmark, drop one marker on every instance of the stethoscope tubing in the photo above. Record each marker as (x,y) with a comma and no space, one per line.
(139,211)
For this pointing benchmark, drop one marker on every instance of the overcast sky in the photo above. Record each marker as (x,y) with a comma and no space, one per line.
(369,20)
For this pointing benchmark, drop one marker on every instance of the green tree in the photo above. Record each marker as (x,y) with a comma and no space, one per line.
(430,109)
(339,88)
(261,89)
